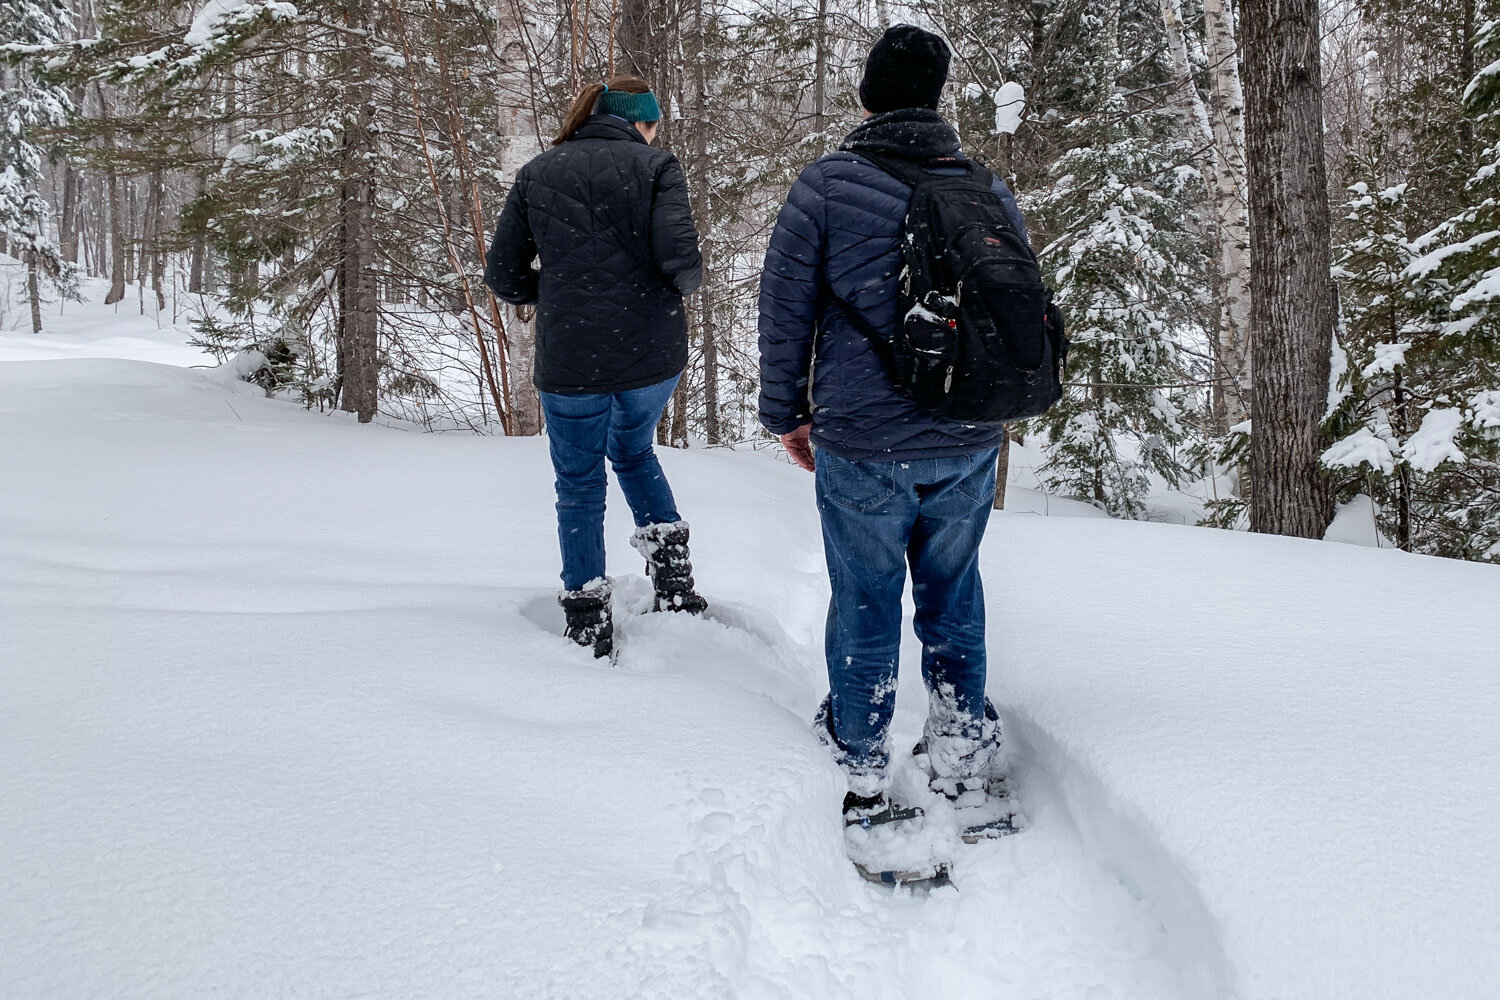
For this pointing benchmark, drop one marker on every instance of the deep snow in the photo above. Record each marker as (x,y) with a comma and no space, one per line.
(283,712)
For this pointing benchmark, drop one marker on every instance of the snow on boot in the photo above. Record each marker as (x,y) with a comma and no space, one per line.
(983,805)
(665,548)
(588,616)
(958,751)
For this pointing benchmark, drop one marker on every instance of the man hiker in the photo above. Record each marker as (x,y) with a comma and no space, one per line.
(897,485)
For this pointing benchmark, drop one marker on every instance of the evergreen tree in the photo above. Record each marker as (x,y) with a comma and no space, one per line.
(339,146)
(1128,256)
(27,105)
(1452,363)
(1383,339)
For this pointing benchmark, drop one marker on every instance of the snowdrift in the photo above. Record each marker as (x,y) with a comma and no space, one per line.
(283,711)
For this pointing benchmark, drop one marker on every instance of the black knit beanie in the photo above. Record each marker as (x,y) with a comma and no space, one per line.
(906,69)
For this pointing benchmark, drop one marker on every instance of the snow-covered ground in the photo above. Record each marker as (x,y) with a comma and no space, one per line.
(90,329)
(283,712)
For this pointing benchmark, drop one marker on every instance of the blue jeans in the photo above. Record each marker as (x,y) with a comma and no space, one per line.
(879,518)
(581,431)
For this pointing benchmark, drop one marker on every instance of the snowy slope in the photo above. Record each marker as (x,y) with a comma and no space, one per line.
(130,329)
(282,712)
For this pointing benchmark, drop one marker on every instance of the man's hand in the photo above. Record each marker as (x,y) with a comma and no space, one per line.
(798,444)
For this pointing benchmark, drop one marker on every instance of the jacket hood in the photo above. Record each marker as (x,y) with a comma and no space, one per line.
(908,134)
(607,127)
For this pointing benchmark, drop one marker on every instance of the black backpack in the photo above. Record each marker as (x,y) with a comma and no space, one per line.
(982,341)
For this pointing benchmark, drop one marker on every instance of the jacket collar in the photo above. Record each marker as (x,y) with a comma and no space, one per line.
(908,134)
(607,127)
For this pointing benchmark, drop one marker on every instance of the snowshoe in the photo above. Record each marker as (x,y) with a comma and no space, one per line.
(670,567)
(864,814)
(934,877)
(588,618)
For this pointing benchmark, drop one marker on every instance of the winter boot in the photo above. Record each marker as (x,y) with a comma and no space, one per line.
(665,547)
(588,616)
(959,752)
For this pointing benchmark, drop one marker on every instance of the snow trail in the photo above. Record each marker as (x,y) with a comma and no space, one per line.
(283,711)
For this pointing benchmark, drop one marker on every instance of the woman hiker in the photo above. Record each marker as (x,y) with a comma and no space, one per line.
(608,216)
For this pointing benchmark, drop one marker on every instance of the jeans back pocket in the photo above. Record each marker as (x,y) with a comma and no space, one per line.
(857,486)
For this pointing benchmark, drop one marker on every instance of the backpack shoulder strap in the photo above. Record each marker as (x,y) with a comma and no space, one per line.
(914,172)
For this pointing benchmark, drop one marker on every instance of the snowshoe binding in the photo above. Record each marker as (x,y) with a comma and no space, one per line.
(984,806)
(864,813)
(588,618)
(670,567)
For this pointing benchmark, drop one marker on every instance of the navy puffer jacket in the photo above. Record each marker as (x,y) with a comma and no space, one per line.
(839,238)
(608,215)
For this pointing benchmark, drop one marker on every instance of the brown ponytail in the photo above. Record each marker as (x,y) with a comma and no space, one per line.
(583,105)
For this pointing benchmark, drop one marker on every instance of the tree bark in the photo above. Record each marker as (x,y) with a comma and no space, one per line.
(132,218)
(158,259)
(359,305)
(1231,222)
(703,211)
(1292,296)
(679,434)
(199,254)
(820,71)
(526,402)
(1223,166)
(33,292)
(635,37)
(117,255)
(68,226)
(1403,471)
(517,342)
(1002,470)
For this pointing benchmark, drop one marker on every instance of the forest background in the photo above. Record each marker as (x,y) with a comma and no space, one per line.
(311,186)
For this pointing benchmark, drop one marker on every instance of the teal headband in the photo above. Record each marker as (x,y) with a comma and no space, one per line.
(631,107)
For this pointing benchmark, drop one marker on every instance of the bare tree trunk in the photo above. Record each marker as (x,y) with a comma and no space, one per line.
(33,292)
(199,253)
(1231,220)
(359,305)
(526,402)
(101,225)
(158,260)
(68,236)
(117,255)
(703,211)
(820,70)
(1466,72)
(679,433)
(1222,163)
(132,218)
(1002,469)
(635,36)
(1293,305)
(1403,471)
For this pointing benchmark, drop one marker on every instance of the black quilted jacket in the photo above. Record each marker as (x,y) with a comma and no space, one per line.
(608,216)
